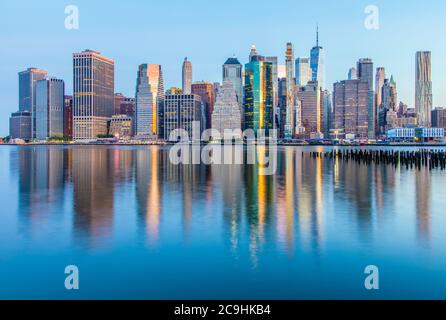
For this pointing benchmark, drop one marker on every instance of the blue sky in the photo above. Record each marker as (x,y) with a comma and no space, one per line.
(32,33)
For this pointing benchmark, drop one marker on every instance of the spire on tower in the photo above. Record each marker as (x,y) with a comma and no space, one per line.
(317,35)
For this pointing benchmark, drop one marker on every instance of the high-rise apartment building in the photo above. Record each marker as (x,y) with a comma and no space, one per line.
(93,94)
(50,103)
(187,76)
(303,71)
(27,93)
(365,74)
(423,87)
(258,96)
(350,107)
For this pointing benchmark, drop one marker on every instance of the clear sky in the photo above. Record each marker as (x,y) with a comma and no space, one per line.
(32,33)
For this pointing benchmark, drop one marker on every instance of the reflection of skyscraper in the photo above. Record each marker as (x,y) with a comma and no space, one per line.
(317,62)
(94,86)
(423,203)
(27,93)
(258,104)
(187,77)
(423,88)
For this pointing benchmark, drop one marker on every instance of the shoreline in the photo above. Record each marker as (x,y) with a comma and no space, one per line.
(278,144)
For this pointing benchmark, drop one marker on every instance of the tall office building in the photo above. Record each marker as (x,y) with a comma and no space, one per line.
(327,113)
(365,74)
(50,103)
(226,114)
(273,61)
(389,106)
(27,93)
(93,94)
(206,91)
(423,88)
(303,71)
(317,62)
(20,125)
(253,53)
(180,111)
(258,96)
(350,107)
(311,104)
(290,92)
(439,117)
(379,83)
(232,72)
(187,76)
(149,100)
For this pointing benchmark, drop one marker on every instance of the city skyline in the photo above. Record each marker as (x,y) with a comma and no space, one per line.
(340,54)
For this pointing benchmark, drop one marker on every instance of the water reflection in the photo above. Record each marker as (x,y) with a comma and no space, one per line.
(291,210)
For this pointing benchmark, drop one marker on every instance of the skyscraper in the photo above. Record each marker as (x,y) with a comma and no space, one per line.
(423,87)
(206,91)
(352,74)
(27,93)
(311,104)
(379,83)
(68,118)
(226,115)
(365,74)
(253,53)
(50,101)
(93,94)
(232,72)
(258,97)
(187,76)
(350,107)
(317,62)
(180,111)
(303,71)
(20,125)
(149,100)
(273,61)
(290,84)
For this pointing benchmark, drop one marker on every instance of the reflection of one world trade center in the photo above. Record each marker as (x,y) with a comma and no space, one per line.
(423,203)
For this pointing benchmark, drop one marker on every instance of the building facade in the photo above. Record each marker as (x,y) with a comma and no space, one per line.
(303,71)
(311,106)
(68,118)
(227,115)
(20,125)
(93,94)
(439,117)
(180,112)
(232,72)
(27,92)
(206,91)
(187,76)
(290,92)
(121,126)
(365,74)
(423,87)
(50,103)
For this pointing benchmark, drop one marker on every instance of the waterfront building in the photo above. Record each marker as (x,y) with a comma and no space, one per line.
(149,101)
(303,71)
(68,118)
(258,95)
(317,62)
(350,106)
(50,103)
(423,87)
(206,91)
(311,101)
(416,135)
(439,117)
(365,74)
(93,94)
(275,80)
(187,76)
(389,106)
(180,111)
(121,126)
(20,125)
(226,114)
(27,92)
(232,72)
(290,92)
(327,112)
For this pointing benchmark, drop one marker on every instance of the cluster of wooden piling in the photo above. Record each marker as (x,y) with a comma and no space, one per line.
(423,158)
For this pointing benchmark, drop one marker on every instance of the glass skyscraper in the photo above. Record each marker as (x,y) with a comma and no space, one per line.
(303,71)
(232,72)
(365,74)
(93,94)
(27,93)
(258,102)
(290,93)
(50,104)
(317,63)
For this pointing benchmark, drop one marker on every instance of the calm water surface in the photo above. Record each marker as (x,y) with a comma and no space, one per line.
(140,227)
